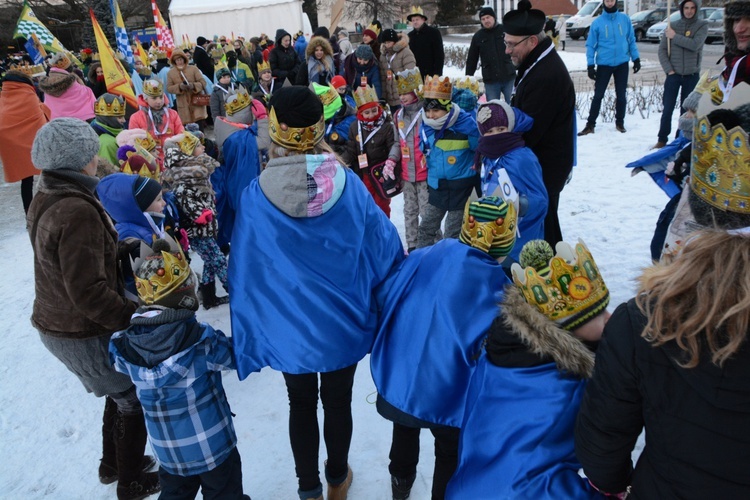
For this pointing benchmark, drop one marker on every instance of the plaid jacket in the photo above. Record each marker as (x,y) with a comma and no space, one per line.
(187,414)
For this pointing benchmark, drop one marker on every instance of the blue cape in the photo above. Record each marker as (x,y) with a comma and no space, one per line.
(656,163)
(436,309)
(302,288)
(517,436)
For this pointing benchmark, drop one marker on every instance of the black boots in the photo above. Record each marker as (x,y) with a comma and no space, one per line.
(588,129)
(130,438)
(401,487)
(108,465)
(209,298)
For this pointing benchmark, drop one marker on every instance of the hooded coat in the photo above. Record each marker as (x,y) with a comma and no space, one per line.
(21,117)
(283,60)
(116,194)
(313,70)
(397,58)
(734,56)
(66,96)
(191,74)
(687,44)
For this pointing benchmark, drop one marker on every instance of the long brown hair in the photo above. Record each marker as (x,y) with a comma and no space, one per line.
(701,299)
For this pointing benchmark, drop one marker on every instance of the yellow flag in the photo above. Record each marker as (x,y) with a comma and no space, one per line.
(28,25)
(115,76)
(140,53)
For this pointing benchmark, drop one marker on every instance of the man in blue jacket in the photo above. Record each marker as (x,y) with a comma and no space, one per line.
(609,48)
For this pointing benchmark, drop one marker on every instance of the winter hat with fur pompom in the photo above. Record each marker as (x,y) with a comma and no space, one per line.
(64,144)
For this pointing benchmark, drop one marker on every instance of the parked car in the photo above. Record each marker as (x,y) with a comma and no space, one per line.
(578,26)
(644,19)
(716,26)
(656,31)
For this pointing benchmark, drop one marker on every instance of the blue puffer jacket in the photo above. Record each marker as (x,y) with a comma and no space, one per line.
(611,41)
(452,156)
(116,194)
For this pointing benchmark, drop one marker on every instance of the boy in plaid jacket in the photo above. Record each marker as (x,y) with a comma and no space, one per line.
(175,363)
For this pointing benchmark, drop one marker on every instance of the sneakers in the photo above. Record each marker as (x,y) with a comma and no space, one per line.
(589,129)
(659,145)
(620,129)
(401,487)
(340,491)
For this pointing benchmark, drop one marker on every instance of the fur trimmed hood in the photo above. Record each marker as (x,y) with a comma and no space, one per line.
(732,12)
(57,82)
(403,42)
(318,41)
(543,337)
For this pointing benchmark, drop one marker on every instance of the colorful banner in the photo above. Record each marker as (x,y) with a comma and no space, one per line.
(28,25)
(140,53)
(163,33)
(121,35)
(115,76)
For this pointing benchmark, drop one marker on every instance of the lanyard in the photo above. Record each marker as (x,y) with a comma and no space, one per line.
(328,130)
(166,121)
(391,60)
(359,137)
(411,125)
(270,86)
(225,90)
(546,52)
(157,230)
(727,89)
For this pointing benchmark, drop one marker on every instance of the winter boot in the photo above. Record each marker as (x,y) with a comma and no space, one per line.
(108,465)
(208,296)
(130,438)
(588,129)
(339,491)
(620,128)
(401,486)
(314,494)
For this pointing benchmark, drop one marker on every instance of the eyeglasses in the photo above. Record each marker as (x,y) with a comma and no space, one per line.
(512,45)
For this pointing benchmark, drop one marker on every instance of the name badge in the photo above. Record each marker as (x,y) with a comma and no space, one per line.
(362,159)
(405,153)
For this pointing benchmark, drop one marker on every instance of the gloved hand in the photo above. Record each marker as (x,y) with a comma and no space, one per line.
(388,169)
(182,237)
(205,217)
(184,86)
(636,66)
(592,72)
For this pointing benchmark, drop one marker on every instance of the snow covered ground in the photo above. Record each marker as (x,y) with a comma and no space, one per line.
(51,438)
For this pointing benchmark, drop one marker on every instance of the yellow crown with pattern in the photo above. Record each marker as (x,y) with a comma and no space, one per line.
(237,101)
(710,85)
(161,272)
(467,82)
(295,138)
(326,93)
(187,143)
(115,108)
(489,225)
(438,87)
(264,66)
(409,80)
(364,95)
(416,11)
(148,143)
(29,70)
(153,88)
(60,60)
(374,28)
(567,288)
(160,54)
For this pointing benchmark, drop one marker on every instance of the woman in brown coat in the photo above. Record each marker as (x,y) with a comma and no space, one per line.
(396,56)
(184,81)
(21,115)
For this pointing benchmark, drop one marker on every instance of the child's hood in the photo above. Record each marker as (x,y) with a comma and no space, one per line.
(523,122)
(116,194)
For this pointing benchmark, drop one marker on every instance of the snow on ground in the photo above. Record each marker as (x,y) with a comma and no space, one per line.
(51,428)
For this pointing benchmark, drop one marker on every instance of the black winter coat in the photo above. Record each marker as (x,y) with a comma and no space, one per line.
(489,46)
(696,420)
(552,138)
(427,45)
(204,62)
(284,61)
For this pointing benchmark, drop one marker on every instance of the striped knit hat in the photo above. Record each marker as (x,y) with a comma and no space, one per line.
(490,226)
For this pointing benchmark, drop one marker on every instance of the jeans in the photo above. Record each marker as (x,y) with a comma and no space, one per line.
(404,455)
(336,395)
(223,482)
(662,227)
(684,84)
(493,90)
(603,75)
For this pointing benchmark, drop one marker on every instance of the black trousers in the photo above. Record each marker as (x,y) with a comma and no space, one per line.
(336,396)
(405,455)
(552,230)
(223,482)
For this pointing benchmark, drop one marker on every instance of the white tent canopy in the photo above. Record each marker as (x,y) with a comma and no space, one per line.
(249,17)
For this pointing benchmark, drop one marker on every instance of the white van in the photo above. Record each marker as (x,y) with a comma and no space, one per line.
(578,25)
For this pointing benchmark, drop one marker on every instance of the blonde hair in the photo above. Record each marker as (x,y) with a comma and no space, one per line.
(701,300)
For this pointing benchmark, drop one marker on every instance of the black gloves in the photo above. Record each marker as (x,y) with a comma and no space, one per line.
(636,65)
(592,72)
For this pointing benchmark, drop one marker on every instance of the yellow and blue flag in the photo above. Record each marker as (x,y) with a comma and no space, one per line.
(121,35)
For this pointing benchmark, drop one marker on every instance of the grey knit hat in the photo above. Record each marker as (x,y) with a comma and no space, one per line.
(64,144)
(364,52)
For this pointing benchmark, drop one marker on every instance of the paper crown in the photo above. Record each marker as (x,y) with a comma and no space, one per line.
(60,60)
(489,225)
(710,85)
(438,87)
(187,143)
(364,95)
(115,108)
(374,28)
(160,54)
(139,162)
(295,139)
(148,143)
(29,70)
(153,88)
(326,93)
(237,101)
(264,66)
(163,272)
(467,82)
(415,11)
(409,80)
(217,53)
(568,290)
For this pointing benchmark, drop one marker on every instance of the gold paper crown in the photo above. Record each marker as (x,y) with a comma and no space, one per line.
(327,97)
(146,169)
(62,60)
(710,85)
(570,291)
(489,225)
(153,88)
(217,52)
(96,57)
(167,276)
(416,11)
(29,70)
(148,143)
(467,82)
(115,108)
(237,101)
(188,142)
(264,66)
(408,81)
(438,87)
(364,95)
(374,28)
(160,54)
(295,139)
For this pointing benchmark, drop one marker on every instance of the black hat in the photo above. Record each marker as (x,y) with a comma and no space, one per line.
(145,191)
(389,36)
(322,31)
(487,11)
(524,21)
(201,41)
(296,106)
